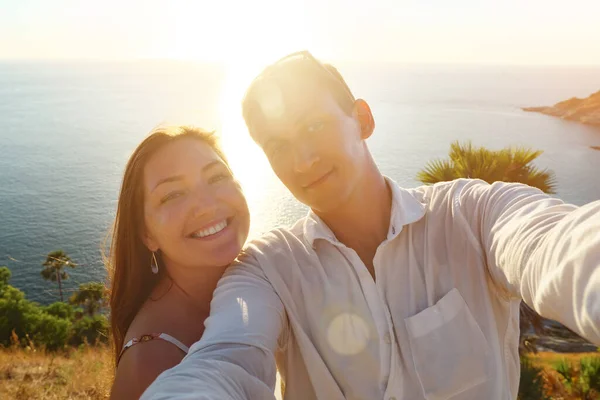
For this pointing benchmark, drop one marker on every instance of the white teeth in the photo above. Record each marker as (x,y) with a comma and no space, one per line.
(211,231)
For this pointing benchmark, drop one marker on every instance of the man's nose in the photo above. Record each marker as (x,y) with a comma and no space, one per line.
(305,157)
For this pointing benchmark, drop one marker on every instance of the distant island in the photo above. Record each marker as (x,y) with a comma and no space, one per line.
(595,147)
(586,111)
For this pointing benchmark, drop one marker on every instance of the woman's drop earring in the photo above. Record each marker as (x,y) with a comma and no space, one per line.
(154,264)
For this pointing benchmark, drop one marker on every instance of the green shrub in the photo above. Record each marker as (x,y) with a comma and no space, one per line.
(531,383)
(567,371)
(16,313)
(90,330)
(90,296)
(60,310)
(4,276)
(50,331)
(53,326)
(582,382)
(590,371)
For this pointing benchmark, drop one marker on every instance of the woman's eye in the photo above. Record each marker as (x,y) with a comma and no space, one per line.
(171,196)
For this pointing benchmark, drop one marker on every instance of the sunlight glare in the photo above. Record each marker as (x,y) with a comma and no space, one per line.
(243,310)
(258,34)
(348,334)
(247,160)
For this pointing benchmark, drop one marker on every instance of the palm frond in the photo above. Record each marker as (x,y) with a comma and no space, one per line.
(507,165)
(543,179)
(437,171)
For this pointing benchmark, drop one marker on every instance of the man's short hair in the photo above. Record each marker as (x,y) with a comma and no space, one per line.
(298,66)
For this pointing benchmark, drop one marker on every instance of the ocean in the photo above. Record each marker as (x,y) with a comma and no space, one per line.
(67,129)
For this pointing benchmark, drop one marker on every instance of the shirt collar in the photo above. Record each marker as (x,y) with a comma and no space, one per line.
(406,209)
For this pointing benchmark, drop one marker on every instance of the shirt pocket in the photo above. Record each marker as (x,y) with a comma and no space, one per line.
(450,352)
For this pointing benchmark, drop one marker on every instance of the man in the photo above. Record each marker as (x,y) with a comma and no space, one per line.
(382,292)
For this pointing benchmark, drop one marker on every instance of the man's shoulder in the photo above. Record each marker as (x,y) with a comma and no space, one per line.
(442,194)
(279,240)
(473,196)
(462,189)
(447,187)
(274,253)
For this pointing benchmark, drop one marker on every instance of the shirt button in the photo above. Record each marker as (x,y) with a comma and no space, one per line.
(393,233)
(387,339)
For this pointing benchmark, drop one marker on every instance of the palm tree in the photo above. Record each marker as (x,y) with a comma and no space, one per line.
(90,296)
(507,165)
(54,268)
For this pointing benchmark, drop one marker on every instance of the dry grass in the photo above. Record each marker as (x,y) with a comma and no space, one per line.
(554,385)
(547,360)
(87,373)
(84,373)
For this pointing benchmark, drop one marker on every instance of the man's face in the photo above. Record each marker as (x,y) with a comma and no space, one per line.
(316,148)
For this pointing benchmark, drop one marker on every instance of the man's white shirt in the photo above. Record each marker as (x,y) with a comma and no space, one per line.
(440,321)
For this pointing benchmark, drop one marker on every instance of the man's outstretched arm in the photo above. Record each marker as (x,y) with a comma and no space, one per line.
(541,249)
(235,357)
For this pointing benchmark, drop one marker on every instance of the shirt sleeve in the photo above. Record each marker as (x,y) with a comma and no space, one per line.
(235,357)
(540,249)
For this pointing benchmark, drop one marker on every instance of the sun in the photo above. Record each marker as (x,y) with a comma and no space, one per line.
(244,36)
(261,41)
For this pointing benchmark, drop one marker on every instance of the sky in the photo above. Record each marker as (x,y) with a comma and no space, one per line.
(530,32)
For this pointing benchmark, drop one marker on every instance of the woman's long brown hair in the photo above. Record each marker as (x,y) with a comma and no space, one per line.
(131,280)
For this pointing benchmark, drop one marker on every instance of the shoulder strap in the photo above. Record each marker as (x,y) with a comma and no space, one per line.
(152,336)
(172,340)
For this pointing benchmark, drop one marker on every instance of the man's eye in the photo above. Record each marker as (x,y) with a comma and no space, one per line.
(218,177)
(276,149)
(315,126)
(171,196)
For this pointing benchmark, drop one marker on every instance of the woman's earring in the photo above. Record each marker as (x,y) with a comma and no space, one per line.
(154,264)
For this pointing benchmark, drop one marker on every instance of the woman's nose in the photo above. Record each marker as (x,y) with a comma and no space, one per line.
(205,203)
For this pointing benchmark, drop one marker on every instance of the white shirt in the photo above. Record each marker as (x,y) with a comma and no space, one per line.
(441,320)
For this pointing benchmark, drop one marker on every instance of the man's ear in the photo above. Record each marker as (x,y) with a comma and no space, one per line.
(363,114)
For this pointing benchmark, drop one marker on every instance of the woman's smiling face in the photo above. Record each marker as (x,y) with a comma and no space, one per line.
(194,210)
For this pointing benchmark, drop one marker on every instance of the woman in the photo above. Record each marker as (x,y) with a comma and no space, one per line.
(181,220)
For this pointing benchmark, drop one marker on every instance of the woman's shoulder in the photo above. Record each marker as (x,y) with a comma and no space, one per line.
(140,365)
(155,341)
(164,317)
(150,318)
(154,320)
(143,338)
(163,312)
